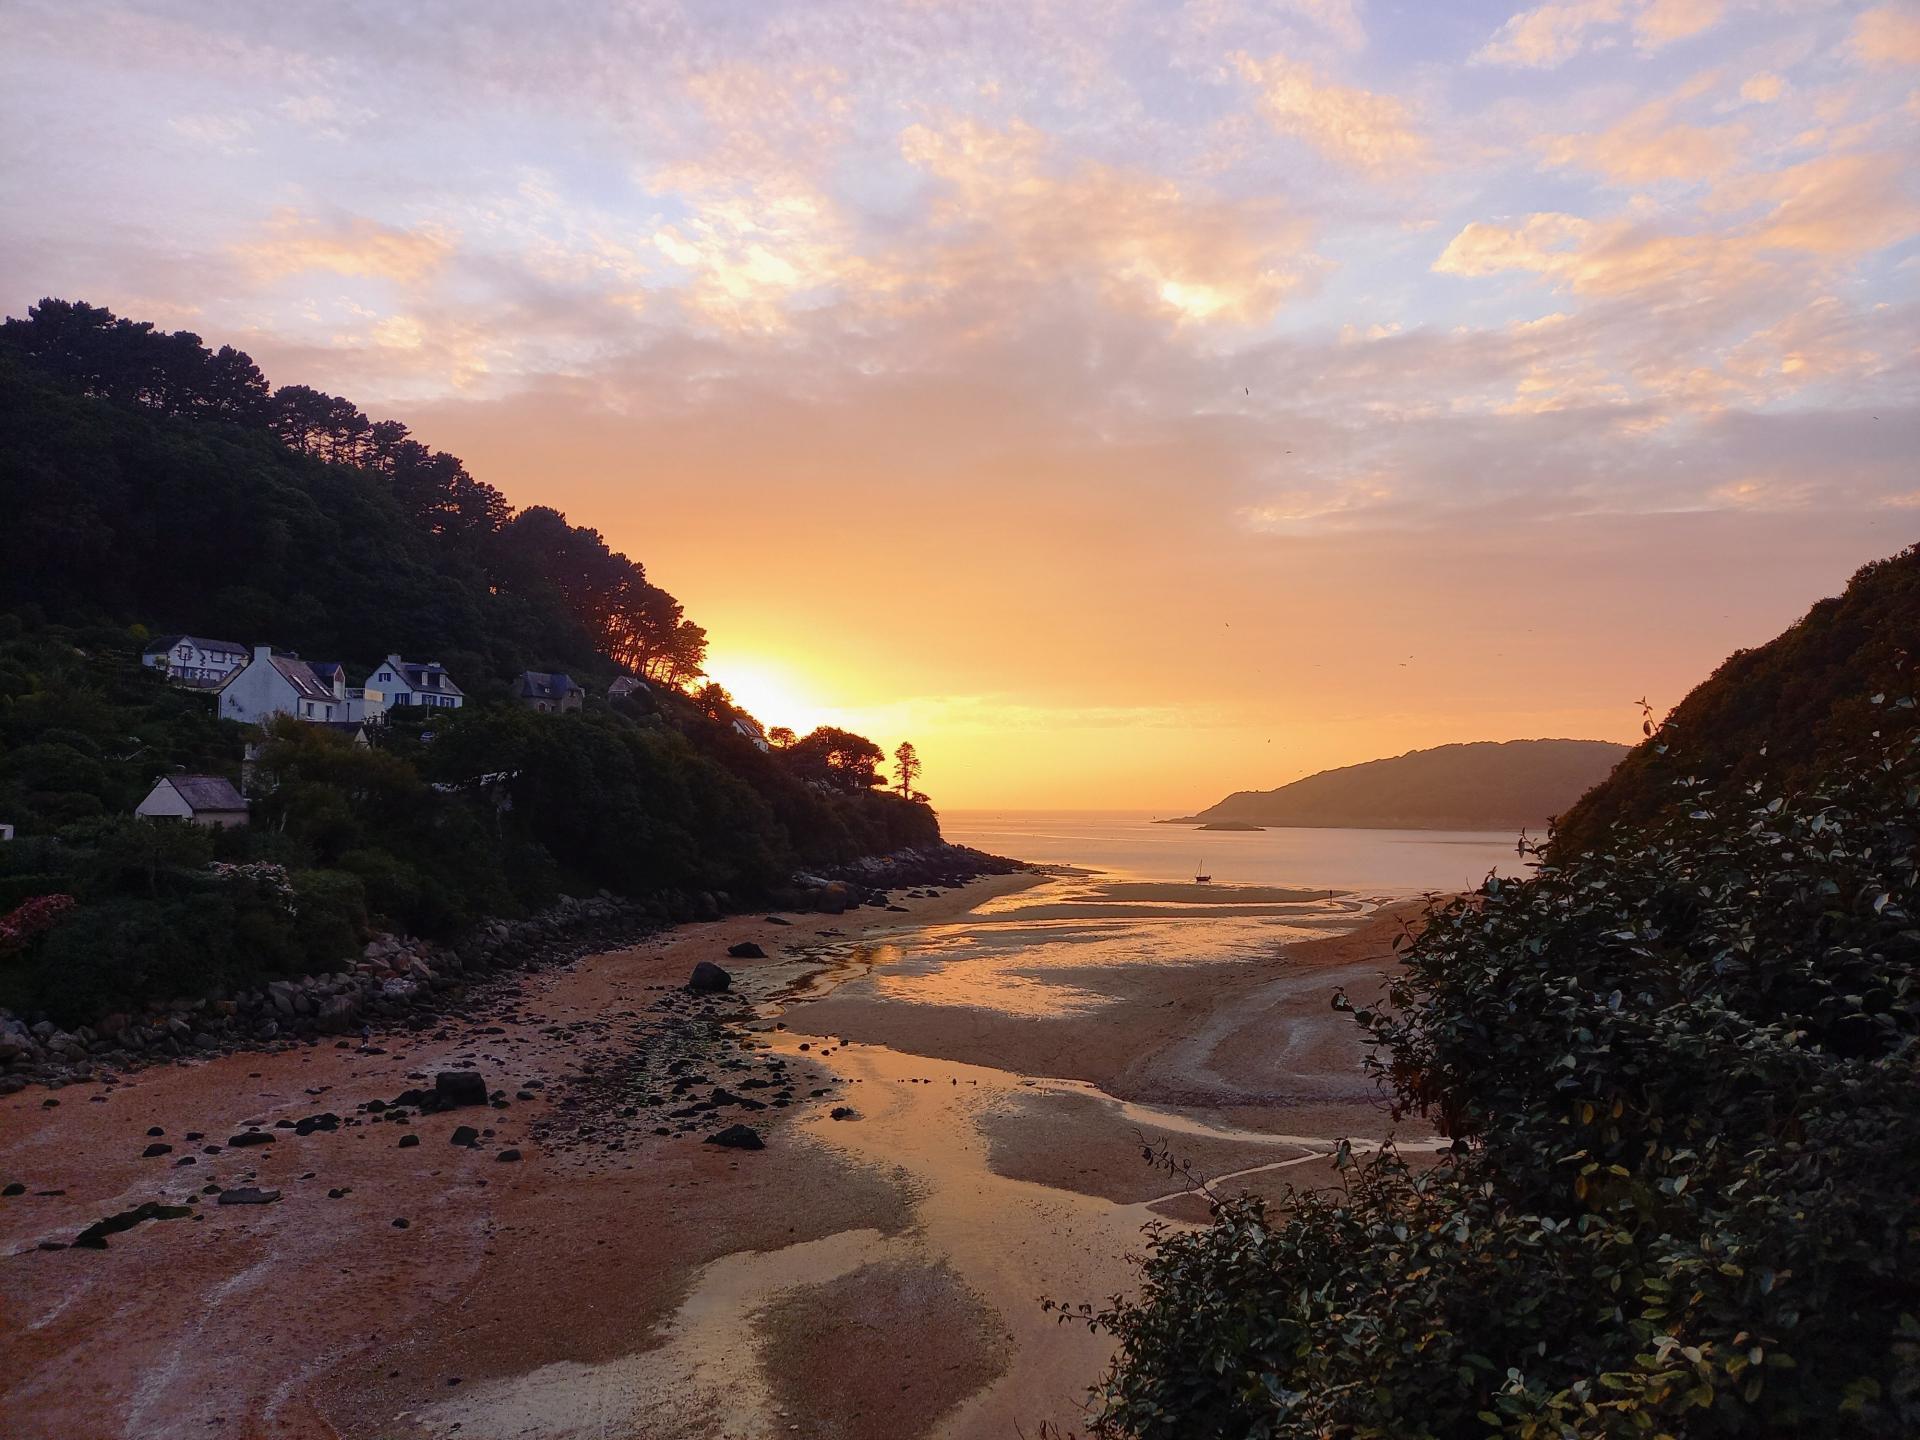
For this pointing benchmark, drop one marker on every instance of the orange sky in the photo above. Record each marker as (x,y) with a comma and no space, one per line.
(1128,402)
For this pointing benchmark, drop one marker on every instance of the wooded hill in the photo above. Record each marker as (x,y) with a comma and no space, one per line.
(149,483)
(1767,715)
(1486,785)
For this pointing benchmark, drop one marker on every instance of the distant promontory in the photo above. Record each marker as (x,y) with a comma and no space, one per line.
(1486,785)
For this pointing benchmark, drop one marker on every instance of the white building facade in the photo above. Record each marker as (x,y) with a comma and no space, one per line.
(194,659)
(406,683)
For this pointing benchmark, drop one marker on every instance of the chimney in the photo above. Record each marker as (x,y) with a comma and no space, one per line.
(263,652)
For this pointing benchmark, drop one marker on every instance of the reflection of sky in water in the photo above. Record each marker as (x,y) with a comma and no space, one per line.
(1041,952)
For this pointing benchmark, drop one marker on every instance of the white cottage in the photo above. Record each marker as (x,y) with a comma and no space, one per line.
(404,683)
(194,659)
(196,799)
(279,685)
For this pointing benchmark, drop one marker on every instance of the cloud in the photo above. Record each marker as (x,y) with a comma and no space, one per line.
(1008,209)
(1648,146)
(1763,88)
(1888,36)
(1358,127)
(1549,35)
(292,243)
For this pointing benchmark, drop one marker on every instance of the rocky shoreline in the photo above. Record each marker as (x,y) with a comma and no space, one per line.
(403,981)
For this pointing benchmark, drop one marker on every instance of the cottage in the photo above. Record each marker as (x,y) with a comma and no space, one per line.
(196,799)
(547,693)
(272,685)
(405,683)
(194,659)
(749,729)
(628,685)
(358,703)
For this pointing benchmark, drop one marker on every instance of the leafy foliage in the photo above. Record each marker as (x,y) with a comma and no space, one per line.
(1683,1074)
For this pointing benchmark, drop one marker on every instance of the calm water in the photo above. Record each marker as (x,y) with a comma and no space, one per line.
(1128,844)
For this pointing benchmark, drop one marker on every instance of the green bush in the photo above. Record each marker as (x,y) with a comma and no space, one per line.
(1683,1072)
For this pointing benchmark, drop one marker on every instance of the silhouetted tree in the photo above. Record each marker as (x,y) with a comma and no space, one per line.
(906,762)
(836,757)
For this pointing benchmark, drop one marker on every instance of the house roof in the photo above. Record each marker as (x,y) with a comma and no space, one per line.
(207,793)
(414,673)
(545,685)
(306,684)
(161,643)
(627,684)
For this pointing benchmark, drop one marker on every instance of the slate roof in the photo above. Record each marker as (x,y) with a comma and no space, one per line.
(544,685)
(416,677)
(306,684)
(207,793)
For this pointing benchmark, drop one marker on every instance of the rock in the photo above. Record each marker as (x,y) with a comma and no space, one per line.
(157,1148)
(844,1112)
(459,1087)
(709,979)
(507,1156)
(399,1224)
(777,920)
(407,1142)
(464,1135)
(738,1137)
(248,1195)
(251,1137)
(15,1188)
(94,1237)
(746,950)
(155,1131)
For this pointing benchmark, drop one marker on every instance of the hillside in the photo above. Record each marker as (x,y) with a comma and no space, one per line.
(1486,785)
(150,484)
(1768,714)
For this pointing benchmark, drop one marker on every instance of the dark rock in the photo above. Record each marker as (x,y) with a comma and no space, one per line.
(709,979)
(844,1112)
(399,1224)
(746,950)
(407,1142)
(248,1195)
(16,1188)
(460,1087)
(154,1132)
(738,1137)
(251,1137)
(464,1135)
(507,1156)
(157,1148)
(94,1237)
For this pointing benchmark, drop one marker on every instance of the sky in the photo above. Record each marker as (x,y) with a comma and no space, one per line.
(1126,402)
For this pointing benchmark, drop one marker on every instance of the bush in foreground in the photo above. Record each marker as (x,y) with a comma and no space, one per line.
(1684,1198)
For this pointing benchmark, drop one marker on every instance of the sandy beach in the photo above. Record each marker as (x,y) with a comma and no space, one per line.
(954,1101)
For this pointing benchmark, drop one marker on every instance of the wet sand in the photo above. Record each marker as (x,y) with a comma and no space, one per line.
(877,1274)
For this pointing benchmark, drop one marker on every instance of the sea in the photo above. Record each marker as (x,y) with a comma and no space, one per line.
(1127,844)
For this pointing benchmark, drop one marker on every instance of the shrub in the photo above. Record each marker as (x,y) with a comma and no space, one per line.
(1683,1071)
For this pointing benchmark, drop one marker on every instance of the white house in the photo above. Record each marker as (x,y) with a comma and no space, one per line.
(196,799)
(273,684)
(403,683)
(362,705)
(194,659)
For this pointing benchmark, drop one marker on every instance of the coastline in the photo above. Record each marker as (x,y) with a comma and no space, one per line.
(613,1270)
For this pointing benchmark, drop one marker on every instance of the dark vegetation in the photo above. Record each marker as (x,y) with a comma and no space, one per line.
(1519,784)
(1767,714)
(1681,1064)
(146,481)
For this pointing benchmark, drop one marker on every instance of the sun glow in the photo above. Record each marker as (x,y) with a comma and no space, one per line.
(769,690)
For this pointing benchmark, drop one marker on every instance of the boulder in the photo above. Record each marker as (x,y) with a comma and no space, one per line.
(459,1087)
(248,1195)
(709,979)
(737,1137)
(464,1135)
(746,950)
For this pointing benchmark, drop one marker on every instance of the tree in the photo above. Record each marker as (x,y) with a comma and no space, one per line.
(781,736)
(906,761)
(837,758)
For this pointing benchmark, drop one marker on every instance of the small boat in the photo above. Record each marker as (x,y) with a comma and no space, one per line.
(1202,879)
